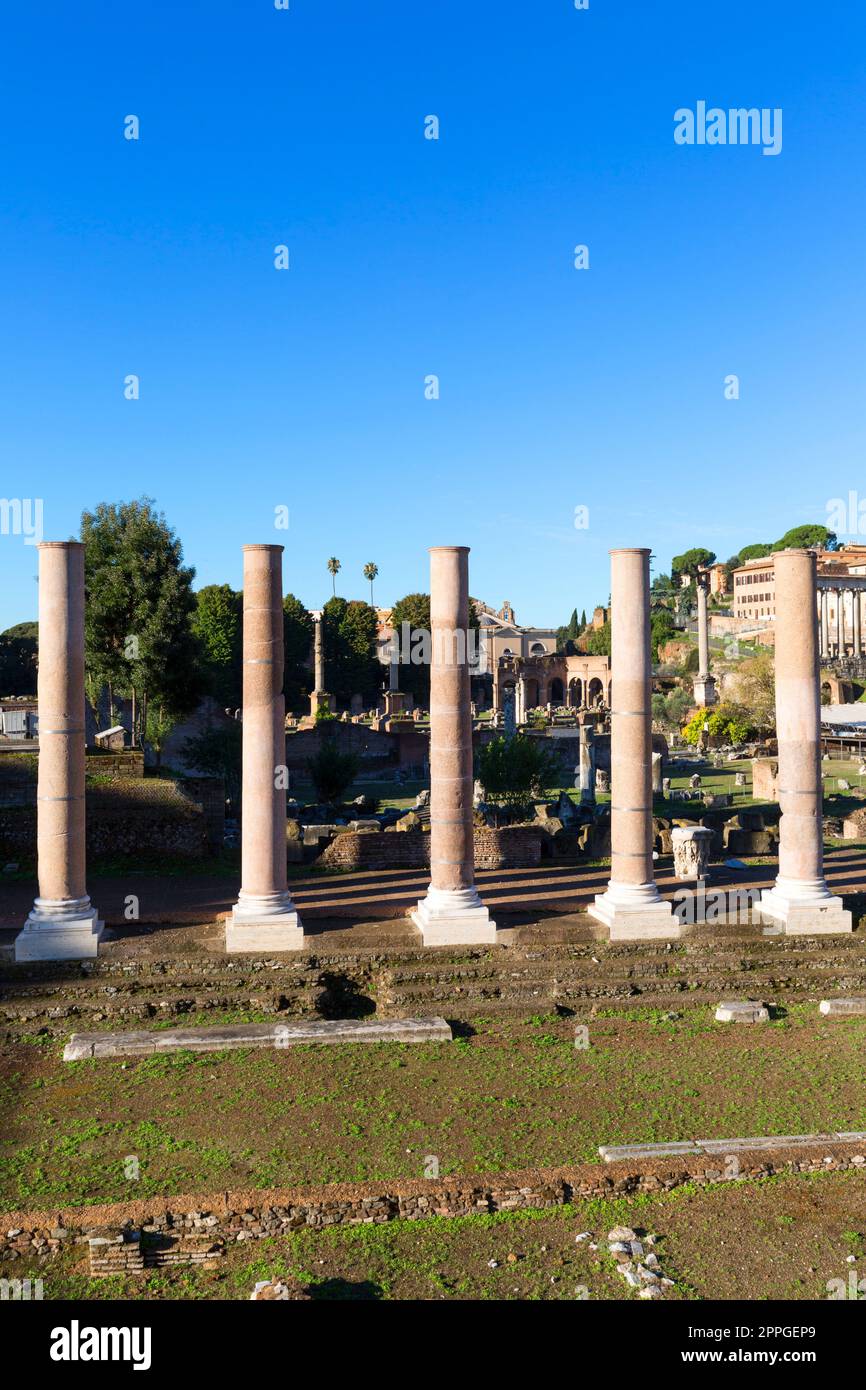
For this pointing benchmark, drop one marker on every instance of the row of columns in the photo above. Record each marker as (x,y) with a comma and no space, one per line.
(64,925)
(832,633)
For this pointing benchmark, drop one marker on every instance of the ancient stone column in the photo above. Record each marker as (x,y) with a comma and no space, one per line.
(509,722)
(840,648)
(855,616)
(451,913)
(800,900)
(825,623)
(704,684)
(395,700)
(586,766)
(632,907)
(62,924)
(264,917)
(319,699)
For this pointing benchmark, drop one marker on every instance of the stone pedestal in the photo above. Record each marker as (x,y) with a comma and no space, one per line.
(631,907)
(691,846)
(264,916)
(451,913)
(800,901)
(704,690)
(62,924)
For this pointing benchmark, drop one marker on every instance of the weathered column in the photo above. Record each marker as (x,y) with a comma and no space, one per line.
(319,699)
(837,595)
(800,900)
(632,907)
(395,700)
(586,766)
(855,618)
(704,684)
(264,917)
(62,924)
(451,913)
(825,623)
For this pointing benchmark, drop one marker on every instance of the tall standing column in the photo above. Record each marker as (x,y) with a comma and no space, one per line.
(855,617)
(320,699)
(264,917)
(704,684)
(825,623)
(800,900)
(452,912)
(632,907)
(62,924)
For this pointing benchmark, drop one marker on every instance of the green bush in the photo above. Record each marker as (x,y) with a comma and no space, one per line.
(514,771)
(331,770)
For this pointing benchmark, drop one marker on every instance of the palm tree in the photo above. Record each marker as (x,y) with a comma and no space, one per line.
(334,568)
(370,572)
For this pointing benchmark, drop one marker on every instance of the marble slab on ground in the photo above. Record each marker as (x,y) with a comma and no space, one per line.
(842,1008)
(742,1011)
(611,1153)
(276,1035)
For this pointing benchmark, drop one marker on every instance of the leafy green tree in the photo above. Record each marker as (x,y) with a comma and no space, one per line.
(216,752)
(334,568)
(808,537)
(139,641)
(662,630)
(331,769)
(692,560)
(758,551)
(349,636)
(515,771)
(297,641)
(413,609)
(18,659)
(218,624)
(598,642)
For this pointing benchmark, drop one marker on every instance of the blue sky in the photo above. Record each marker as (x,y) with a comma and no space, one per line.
(409,257)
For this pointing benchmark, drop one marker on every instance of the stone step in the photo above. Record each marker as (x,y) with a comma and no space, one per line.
(241,1035)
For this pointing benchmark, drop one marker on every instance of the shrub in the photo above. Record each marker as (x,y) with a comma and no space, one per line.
(332,771)
(515,770)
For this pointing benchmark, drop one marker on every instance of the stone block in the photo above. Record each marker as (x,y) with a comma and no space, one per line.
(237,1035)
(842,1008)
(742,1011)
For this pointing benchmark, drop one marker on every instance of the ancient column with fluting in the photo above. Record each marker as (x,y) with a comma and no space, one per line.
(800,900)
(704,683)
(631,907)
(264,916)
(825,623)
(855,618)
(840,630)
(451,913)
(62,924)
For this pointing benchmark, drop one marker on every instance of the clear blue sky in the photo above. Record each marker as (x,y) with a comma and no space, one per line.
(305,388)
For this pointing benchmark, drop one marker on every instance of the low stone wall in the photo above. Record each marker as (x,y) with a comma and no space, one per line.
(511,847)
(252,1215)
(132,816)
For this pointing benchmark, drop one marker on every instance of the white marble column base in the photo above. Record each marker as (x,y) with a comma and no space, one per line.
(636,913)
(806,913)
(453,918)
(60,931)
(705,691)
(264,924)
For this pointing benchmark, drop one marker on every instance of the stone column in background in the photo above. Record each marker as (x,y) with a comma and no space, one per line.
(319,699)
(800,900)
(264,917)
(704,683)
(856,615)
(395,700)
(632,907)
(452,912)
(586,766)
(824,600)
(509,698)
(62,924)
